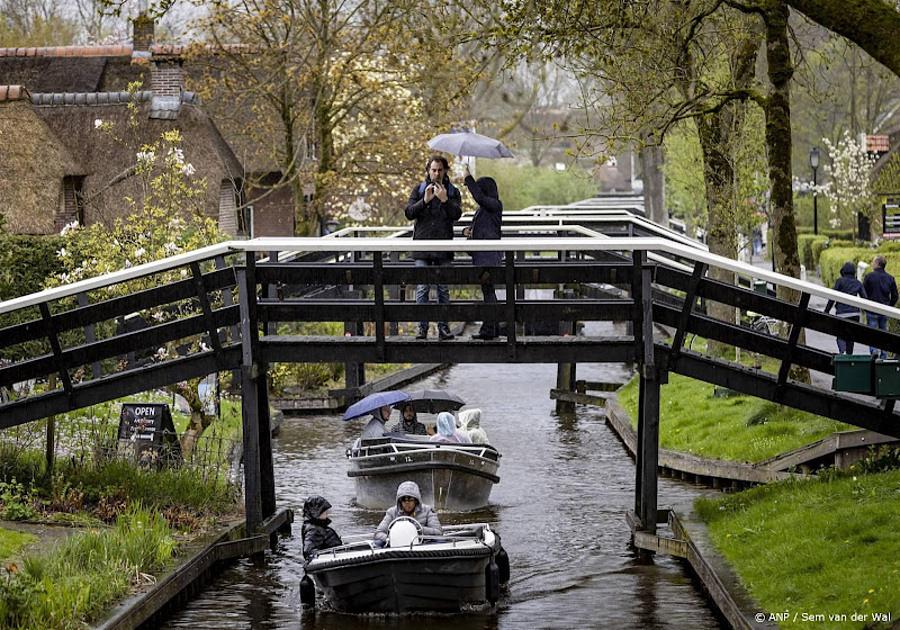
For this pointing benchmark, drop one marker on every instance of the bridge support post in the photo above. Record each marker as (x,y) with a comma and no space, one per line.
(565,372)
(647,452)
(259,478)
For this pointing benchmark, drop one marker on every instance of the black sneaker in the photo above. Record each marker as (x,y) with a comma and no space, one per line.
(423,334)
(483,336)
(446,336)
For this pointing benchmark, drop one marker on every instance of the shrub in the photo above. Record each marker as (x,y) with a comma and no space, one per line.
(805,243)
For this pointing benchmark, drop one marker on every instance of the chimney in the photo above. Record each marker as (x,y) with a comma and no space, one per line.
(165,76)
(142,32)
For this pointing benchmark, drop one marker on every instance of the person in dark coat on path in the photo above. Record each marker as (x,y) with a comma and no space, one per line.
(486,225)
(880,287)
(316,530)
(848,284)
(409,503)
(434,205)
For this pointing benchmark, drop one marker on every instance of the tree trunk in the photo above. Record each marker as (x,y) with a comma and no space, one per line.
(652,159)
(778,141)
(715,132)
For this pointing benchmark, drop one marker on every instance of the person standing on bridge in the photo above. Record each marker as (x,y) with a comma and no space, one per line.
(486,225)
(881,287)
(434,204)
(848,284)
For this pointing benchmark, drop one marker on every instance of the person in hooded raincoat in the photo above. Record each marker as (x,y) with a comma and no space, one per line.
(486,225)
(471,426)
(316,530)
(409,503)
(446,430)
(409,421)
(375,426)
(848,284)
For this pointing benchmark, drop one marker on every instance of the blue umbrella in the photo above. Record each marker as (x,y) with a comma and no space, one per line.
(372,402)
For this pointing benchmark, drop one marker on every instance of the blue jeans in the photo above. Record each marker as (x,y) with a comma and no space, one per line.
(873,320)
(443,293)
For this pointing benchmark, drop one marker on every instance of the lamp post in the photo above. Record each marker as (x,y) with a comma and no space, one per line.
(814,163)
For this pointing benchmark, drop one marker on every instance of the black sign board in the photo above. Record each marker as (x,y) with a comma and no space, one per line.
(147,433)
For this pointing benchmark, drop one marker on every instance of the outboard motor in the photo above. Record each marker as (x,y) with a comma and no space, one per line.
(492,581)
(307,592)
(503,565)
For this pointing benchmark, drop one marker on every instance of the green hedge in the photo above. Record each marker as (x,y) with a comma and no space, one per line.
(833,258)
(25,261)
(808,256)
(830,233)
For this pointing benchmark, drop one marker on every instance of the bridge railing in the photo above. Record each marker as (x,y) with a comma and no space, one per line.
(199,311)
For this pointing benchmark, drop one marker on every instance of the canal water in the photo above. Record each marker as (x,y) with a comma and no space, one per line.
(565,485)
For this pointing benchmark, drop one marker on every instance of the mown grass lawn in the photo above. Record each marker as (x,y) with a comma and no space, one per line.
(11,541)
(825,546)
(740,428)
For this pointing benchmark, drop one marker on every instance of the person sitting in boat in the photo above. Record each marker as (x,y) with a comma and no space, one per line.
(375,426)
(316,530)
(447,432)
(471,426)
(409,503)
(409,421)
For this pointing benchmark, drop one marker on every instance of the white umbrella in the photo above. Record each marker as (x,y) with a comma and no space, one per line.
(467,143)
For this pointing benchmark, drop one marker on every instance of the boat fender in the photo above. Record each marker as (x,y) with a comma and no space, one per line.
(307,592)
(492,581)
(503,565)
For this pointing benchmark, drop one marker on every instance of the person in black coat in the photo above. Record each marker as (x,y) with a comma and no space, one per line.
(848,284)
(486,224)
(434,205)
(880,287)
(316,530)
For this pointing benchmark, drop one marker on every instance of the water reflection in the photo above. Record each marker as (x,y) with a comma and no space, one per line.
(565,484)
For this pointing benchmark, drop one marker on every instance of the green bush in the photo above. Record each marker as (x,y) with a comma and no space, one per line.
(808,256)
(832,259)
(523,186)
(25,261)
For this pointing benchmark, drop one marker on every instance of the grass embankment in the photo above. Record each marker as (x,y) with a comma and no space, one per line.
(11,541)
(85,573)
(827,547)
(739,428)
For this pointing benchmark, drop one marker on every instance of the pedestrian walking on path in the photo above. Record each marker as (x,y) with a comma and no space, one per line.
(880,287)
(848,284)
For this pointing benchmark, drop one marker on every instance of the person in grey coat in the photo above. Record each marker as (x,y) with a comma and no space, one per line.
(409,503)
(486,225)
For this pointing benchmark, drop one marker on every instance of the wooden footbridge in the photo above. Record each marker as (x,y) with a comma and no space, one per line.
(235,306)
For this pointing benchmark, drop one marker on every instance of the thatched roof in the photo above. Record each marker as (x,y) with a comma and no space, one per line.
(104,159)
(34,162)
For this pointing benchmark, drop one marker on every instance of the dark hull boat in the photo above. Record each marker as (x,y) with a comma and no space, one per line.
(451,477)
(462,569)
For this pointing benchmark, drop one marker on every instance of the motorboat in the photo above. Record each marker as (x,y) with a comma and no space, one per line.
(463,569)
(451,477)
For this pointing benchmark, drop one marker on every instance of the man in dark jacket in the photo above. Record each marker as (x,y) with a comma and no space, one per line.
(486,224)
(848,284)
(880,287)
(316,531)
(434,205)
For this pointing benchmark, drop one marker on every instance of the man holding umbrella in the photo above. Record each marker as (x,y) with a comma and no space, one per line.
(434,205)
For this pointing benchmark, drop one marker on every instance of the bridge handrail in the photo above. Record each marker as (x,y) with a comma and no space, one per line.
(649,244)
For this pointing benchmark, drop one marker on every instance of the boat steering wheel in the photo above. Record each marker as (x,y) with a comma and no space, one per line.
(416,523)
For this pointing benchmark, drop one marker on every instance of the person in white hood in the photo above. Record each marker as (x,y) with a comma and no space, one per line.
(471,426)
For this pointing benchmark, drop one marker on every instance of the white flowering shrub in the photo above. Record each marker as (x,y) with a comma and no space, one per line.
(850,189)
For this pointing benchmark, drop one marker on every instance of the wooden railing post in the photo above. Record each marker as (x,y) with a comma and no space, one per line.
(253,510)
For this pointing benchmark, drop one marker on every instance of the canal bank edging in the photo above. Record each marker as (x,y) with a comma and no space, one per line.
(189,575)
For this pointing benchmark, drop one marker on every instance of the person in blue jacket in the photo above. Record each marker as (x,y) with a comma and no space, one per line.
(881,287)
(486,225)
(848,284)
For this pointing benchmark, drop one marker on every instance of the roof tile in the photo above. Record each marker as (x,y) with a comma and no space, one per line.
(13,93)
